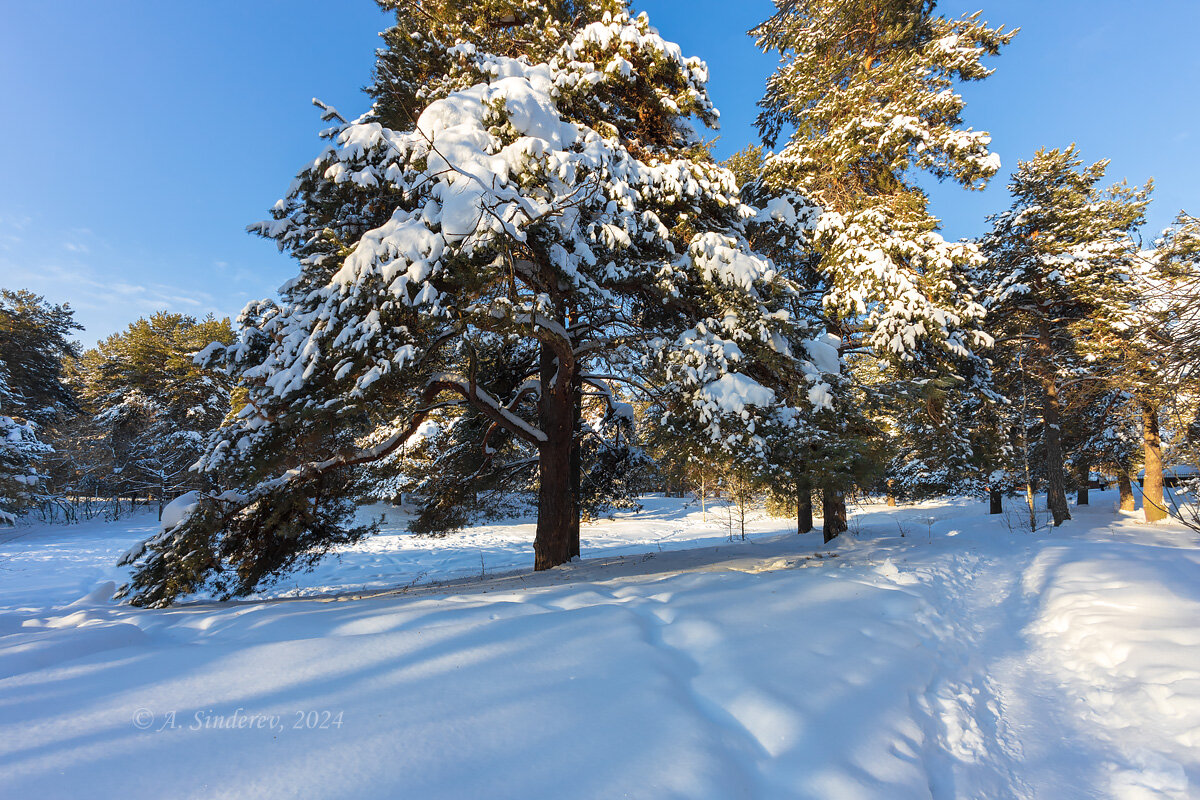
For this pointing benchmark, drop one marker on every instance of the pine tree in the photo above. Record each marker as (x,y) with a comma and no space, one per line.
(20,455)
(1060,265)
(152,405)
(1176,265)
(34,343)
(565,205)
(1161,358)
(866,89)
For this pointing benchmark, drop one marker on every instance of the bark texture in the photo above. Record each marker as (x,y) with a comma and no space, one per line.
(833,506)
(804,509)
(1153,503)
(1056,483)
(558,506)
(1128,503)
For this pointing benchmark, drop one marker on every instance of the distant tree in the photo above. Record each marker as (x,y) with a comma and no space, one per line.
(34,344)
(152,406)
(1061,295)
(21,453)
(1161,364)
(1100,433)
(1174,293)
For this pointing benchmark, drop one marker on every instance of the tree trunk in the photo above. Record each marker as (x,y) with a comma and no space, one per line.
(558,505)
(833,507)
(891,497)
(1153,504)
(1029,501)
(1056,484)
(1081,498)
(1126,486)
(576,460)
(804,517)
(558,513)
(996,501)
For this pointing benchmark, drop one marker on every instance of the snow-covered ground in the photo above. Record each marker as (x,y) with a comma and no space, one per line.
(934,653)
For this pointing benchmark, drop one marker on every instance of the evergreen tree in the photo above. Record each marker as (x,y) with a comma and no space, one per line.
(565,205)
(20,454)
(1160,365)
(153,407)
(34,343)
(1176,264)
(1060,266)
(1101,432)
(865,88)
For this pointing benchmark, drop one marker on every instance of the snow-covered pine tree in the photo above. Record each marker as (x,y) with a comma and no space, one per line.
(864,98)
(1061,295)
(34,343)
(830,447)
(154,407)
(563,203)
(1100,433)
(1176,257)
(20,454)
(1161,358)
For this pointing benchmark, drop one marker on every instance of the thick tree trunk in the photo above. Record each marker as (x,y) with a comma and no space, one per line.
(833,508)
(996,501)
(891,495)
(558,506)
(804,517)
(558,514)
(1056,488)
(1154,505)
(1081,498)
(1128,503)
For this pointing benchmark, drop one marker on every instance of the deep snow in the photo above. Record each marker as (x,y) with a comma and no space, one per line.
(960,659)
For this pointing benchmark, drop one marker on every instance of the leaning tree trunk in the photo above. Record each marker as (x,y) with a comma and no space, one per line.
(995,500)
(1126,486)
(558,506)
(1081,498)
(833,516)
(1056,483)
(804,517)
(1153,503)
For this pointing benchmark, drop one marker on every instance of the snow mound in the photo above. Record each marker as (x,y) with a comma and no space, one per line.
(732,392)
(179,510)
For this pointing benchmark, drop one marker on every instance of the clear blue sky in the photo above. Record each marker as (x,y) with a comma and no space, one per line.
(141,136)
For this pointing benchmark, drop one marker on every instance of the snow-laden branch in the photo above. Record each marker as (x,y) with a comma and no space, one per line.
(489,406)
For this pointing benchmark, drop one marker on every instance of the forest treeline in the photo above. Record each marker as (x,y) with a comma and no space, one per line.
(95,432)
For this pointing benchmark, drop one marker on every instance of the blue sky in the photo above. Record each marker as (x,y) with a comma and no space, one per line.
(141,136)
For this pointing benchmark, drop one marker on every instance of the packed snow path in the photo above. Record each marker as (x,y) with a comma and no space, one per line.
(935,654)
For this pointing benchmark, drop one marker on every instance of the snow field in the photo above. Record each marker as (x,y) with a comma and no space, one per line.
(962,660)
